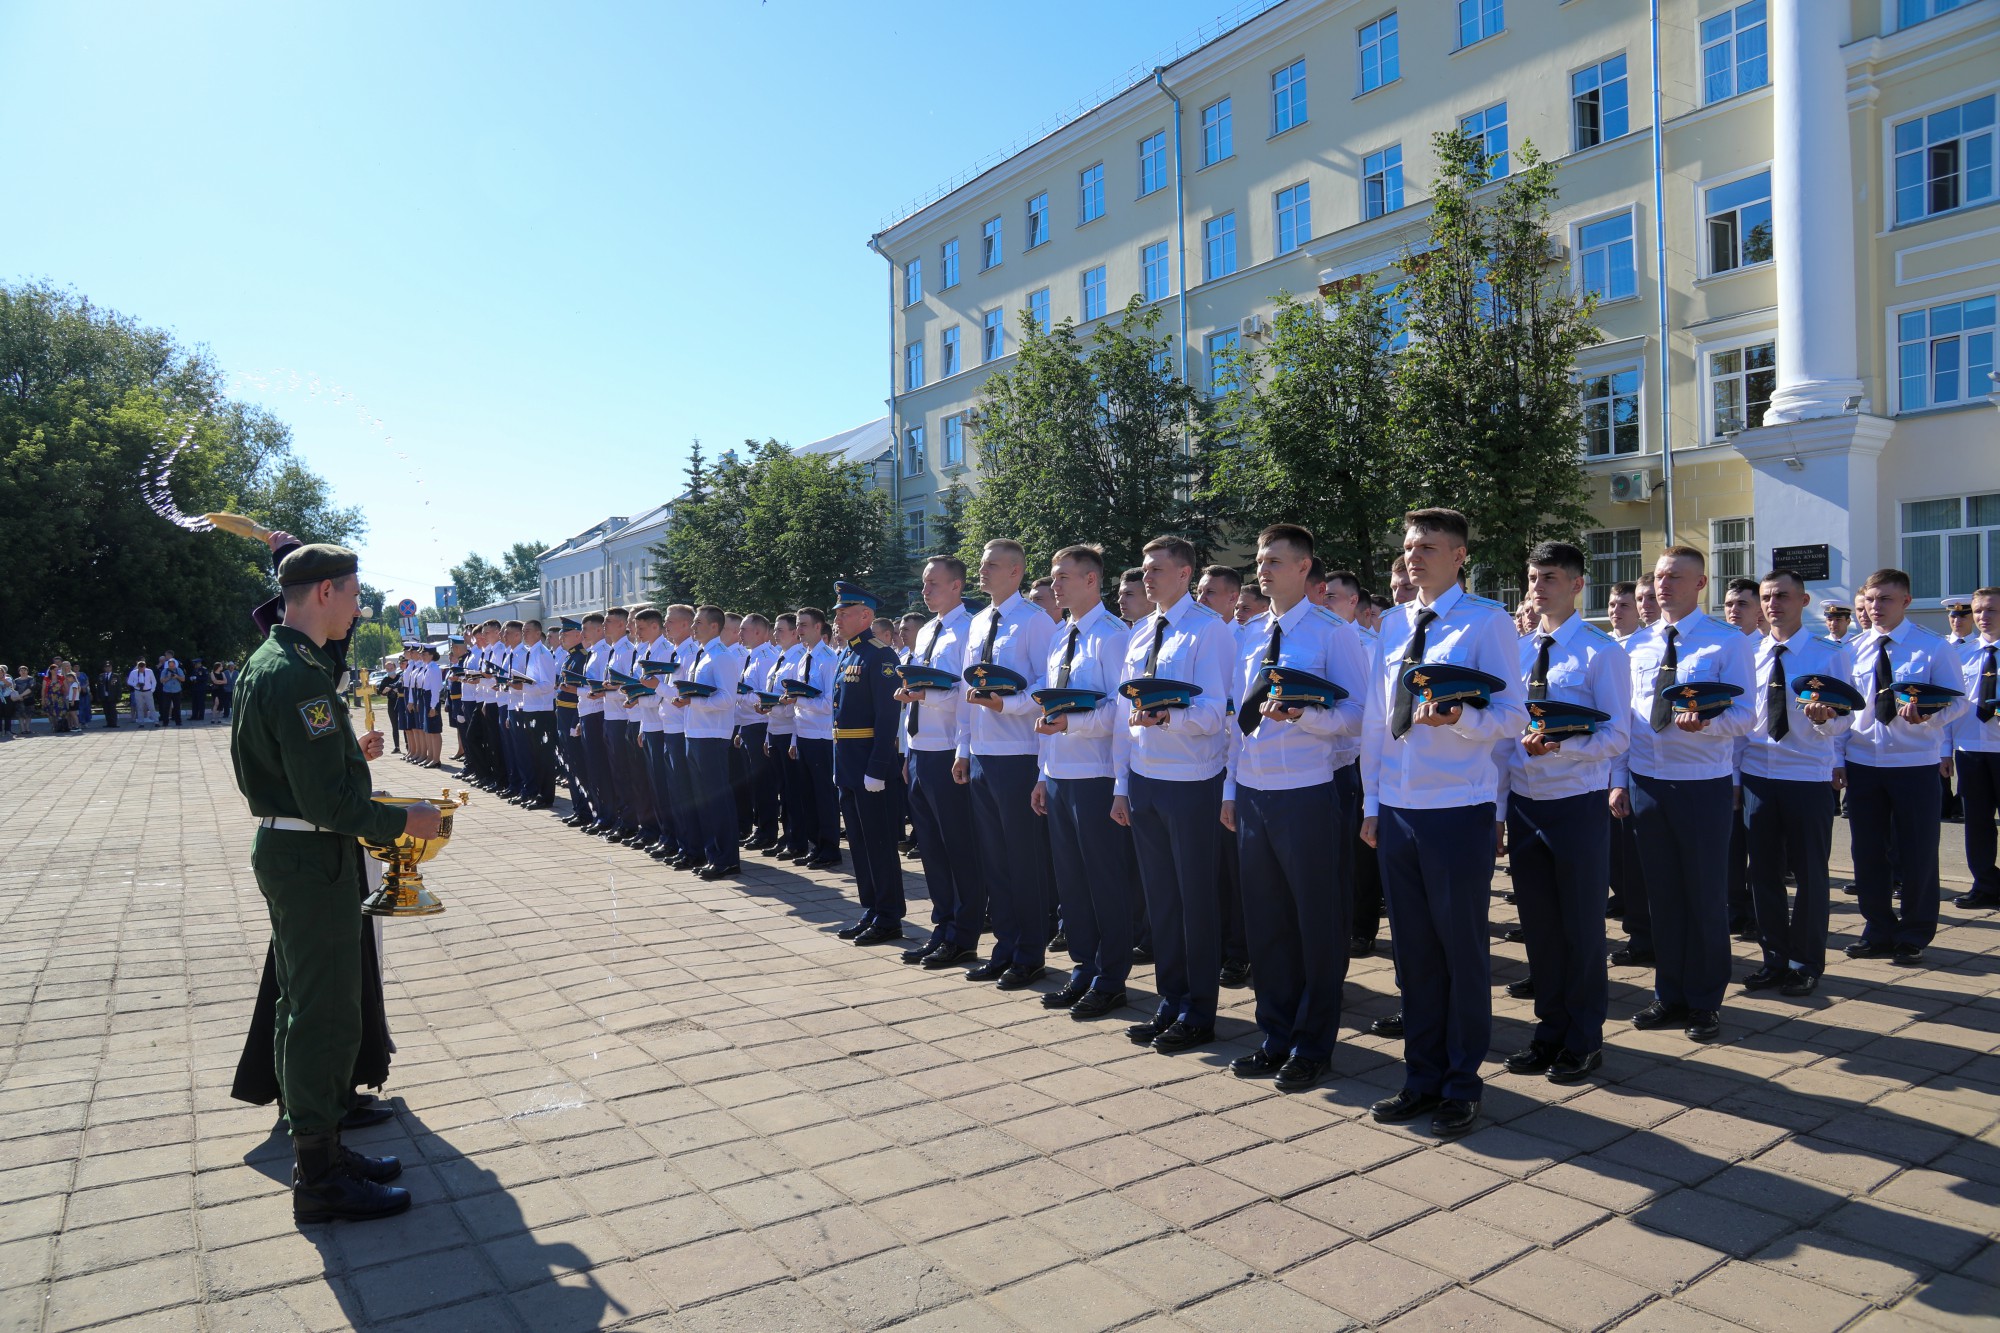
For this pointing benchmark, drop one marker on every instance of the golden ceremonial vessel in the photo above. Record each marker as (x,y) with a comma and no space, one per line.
(403,892)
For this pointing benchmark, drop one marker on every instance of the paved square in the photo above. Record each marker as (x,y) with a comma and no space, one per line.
(631,1099)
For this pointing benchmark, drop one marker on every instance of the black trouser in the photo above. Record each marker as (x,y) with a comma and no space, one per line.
(1979,789)
(1560,851)
(198,705)
(538,746)
(757,807)
(629,791)
(872,818)
(1629,879)
(1893,816)
(597,766)
(1229,894)
(818,805)
(170,709)
(791,835)
(575,767)
(1295,905)
(948,847)
(1789,826)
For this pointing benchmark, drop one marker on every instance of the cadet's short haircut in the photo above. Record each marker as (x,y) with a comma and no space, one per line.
(535,625)
(1009,546)
(1223,573)
(1294,535)
(882,620)
(950,564)
(618,611)
(1447,521)
(1645,580)
(1399,566)
(1741,584)
(491,624)
(1133,575)
(786,620)
(736,616)
(594,618)
(1316,571)
(914,618)
(1178,549)
(1977,593)
(680,609)
(708,612)
(1085,554)
(1346,579)
(757,618)
(1043,582)
(1626,588)
(1381,601)
(650,615)
(1252,591)
(1779,576)
(514,625)
(1559,554)
(1887,578)
(816,616)
(1686,553)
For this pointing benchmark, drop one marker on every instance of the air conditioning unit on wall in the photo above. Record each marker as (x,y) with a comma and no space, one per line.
(1251,326)
(1631,488)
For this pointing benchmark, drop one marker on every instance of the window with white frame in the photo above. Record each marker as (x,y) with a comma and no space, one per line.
(1490,128)
(1945,160)
(1038,221)
(1218,247)
(1611,413)
(1735,52)
(916,529)
(1732,554)
(1038,308)
(1094,304)
(1480,19)
(1381,61)
(1598,107)
(1606,257)
(990,253)
(1216,139)
(1382,182)
(1396,313)
(1740,383)
(1221,370)
(1288,97)
(1090,194)
(1294,209)
(1614,558)
(949,267)
(954,440)
(948,362)
(1944,354)
(913,451)
(913,365)
(1737,219)
(1912,12)
(1951,546)
(1153,281)
(1153,163)
(913,282)
(992,334)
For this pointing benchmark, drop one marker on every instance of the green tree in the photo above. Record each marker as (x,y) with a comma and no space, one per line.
(520,568)
(1088,441)
(948,527)
(700,559)
(477,580)
(1485,401)
(374,599)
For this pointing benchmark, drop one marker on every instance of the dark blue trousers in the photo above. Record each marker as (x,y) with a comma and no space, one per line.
(1014,849)
(1175,827)
(714,799)
(1561,854)
(681,813)
(1789,827)
(948,847)
(627,772)
(597,770)
(790,839)
(1895,813)
(761,776)
(1979,790)
(1437,877)
(1684,854)
(1628,881)
(659,784)
(1296,909)
(819,805)
(1229,896)
(874,826)
(576,762)
(512,751)
(1096,879)
(538,742)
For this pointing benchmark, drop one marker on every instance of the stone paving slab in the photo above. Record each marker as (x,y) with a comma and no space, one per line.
(629,1099)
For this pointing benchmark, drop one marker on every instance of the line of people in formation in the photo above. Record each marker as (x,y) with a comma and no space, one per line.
(1233,778)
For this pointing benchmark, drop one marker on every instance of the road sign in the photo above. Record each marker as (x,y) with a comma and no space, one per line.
(446,595)
(406,608)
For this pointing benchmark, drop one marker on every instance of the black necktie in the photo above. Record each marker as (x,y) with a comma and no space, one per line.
(1778,717)
(1399,716)
(1248,716)
(805,665)
(1069,657)
(1986,685)
(1153,653)
(1664,680)
(992,631)
(930,647)
(1885,683)
(1538,679)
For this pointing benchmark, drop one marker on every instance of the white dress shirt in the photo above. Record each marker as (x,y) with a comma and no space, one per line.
(141,679)
(475,691)
(1019,632)
(650,713)
(1915,653)
(1587,667)
(715,663)
(943,720)
(1809,751)
(780,720)
(1083,749)
(619,658)
(1705,649)
(594,658)
(757,664)
(1969,733)
(680,657)
(813,718)
(1284,756)
(1197,647)
(539,665)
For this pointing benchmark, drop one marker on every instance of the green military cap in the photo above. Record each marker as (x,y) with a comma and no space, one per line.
(316,562)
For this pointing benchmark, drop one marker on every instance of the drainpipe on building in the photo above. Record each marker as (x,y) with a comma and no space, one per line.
(1180,212)
(1660,259)
(895,431)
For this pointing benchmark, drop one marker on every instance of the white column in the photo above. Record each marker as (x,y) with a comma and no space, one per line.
(1812,213)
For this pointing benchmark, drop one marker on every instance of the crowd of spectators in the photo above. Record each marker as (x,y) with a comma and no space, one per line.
(163,693)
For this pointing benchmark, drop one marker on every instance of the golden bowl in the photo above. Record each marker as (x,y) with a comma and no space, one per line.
(403,892)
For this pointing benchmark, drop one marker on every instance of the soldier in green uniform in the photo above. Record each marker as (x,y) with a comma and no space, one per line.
(306,779)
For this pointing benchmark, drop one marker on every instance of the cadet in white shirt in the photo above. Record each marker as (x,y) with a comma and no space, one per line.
(934,724)
(652,663)
(812,744)
(1894,754)
(711,728)
(535,714)
(621,734)
(778,739)
(681,841)
(1975,741)
(1219,589)
(590,717)
(758,794)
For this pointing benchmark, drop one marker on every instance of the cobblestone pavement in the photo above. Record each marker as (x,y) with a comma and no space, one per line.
(632,1099)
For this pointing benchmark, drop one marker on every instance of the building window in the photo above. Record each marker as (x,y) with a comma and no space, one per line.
(1288,97)
(916,529)
(1038,220)
(1598,109)
(950,265)
(1153,283)
(1945,160)
(1382,182)
(1740,384)
(913,282)
(1380,61)
(1038,308)
(1606,258)
(1951,547)
(1734,54)
(948,363)
(1490,128)
(989,245)
(1221,371)
(1093,293)
(1218,247)
(913,451)
(1295,226)
(1944,354)
(1153,163)
(1396,314)
(1614,558)
(1090,188)
(1611,414)
(1732,554)
(1737,217)
(1480,19)
(913,365)
(1912,12)
(1216,142)
(954,440)
(993,334)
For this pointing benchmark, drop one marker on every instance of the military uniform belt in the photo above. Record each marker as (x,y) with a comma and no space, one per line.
(854,733)
(285,824)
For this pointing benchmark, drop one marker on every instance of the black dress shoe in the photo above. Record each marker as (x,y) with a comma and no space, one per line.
(852,932)
(1613,909)
(1059,942)
(1097,1003)
(1388,1025)
(776,851)
(1142,1034)
(1300,1073)
(1973,902)
(1020,978)
(1141,954)
(1260,1063)
(882,932)
(1183,1037)
(1454,1117)
(760,842)
(1361,946)
(1703,1025)
(1067,996)
(576,821)
(1658,1014)
(1766,977)
(1871,949)
(1405,1106)
(990,970)
(369,1113)
(1908,955)
(645,841)
(797,858)
(1533,1058)
(915,956)
(733,870)
(664,853)
(1570,1067)
(1235,975)
(1631,957)
(1524,989)
(947,955)
(685,862)
(1800,984)
(1513,935)
(825,862)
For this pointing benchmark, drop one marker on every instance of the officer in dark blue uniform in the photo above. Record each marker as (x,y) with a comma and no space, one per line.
(866,764)
(569,730)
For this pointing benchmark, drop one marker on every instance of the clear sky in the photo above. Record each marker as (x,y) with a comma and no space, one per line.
(544,246)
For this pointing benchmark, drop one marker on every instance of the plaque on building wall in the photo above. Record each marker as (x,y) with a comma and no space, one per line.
(1810,563)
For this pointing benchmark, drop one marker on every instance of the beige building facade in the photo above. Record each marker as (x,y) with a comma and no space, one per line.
(1831,244)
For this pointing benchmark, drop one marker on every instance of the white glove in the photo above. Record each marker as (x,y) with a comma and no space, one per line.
(874,784)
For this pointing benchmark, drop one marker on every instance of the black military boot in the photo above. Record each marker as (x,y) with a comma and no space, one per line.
(330,1182)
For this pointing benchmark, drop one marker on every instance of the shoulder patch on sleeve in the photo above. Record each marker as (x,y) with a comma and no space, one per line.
(318,717)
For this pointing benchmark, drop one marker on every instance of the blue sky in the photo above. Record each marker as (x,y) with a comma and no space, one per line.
(544,246)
